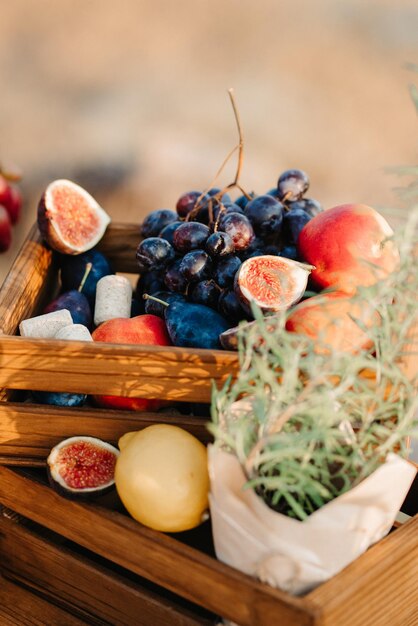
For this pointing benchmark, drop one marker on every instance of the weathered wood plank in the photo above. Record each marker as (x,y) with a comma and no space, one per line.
(30,279)
(28,431)
(77,582)
(20,607)
(167,373)
(119,244)
(380,587)
(157,557)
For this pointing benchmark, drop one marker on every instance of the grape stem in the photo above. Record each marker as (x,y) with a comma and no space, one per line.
(85,276)
(235,183)
(240,135)
(146,296)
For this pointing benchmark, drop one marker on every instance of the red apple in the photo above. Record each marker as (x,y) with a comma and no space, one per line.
(5,230)
(349,246)
(11,199)
(328,319)
(142,329)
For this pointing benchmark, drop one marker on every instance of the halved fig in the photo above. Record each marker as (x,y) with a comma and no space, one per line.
(82,467)
(70,219)
(274,283)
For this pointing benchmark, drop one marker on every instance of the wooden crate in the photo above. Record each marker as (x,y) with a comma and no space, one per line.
(29,431)
(379,588)
(68,546)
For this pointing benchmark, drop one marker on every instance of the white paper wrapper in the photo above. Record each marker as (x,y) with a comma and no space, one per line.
(293,555)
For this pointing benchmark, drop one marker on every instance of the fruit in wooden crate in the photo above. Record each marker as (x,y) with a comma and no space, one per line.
(141,330)
(82,467)
(73,269)
(350,245)
(76,303)
(273,283)
(162,478)
(59,398)
(212,237)
(334,321)
(70,219)
(194,325)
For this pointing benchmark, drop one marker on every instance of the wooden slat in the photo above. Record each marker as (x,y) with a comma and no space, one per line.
(119,244)
(379,588)
(28,431)
(29,281)
(155,556)
(20,607)
(77,582)
(113,369)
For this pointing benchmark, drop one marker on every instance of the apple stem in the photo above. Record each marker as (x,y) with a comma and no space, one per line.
(146,296)
(86,273)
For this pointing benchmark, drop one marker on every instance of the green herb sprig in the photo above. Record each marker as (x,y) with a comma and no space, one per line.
(305,423)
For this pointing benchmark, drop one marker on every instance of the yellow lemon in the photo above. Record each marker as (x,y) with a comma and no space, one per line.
(162,478)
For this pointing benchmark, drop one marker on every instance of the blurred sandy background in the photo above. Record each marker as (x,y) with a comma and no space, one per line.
(130,98)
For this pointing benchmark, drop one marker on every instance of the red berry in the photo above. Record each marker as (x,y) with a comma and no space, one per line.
(5,230)
(15,206)
(11,199)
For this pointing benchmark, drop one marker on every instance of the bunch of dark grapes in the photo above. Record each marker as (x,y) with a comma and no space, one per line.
(196,250)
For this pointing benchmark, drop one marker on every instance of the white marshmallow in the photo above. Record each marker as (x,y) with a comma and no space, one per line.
(113,298)
(76,331)
(47,325)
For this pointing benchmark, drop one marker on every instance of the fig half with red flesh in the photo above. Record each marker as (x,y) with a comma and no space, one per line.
(273,283)
(82,467)
(70,219)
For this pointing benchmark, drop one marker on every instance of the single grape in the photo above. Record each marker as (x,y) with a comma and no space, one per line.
(209,213)
(290,252)
(266,215)
(190,236)
(215,190)
(154,253)
(174,279)
(232,207)
(239,228)
(311,206)
(219,244)
(229,306)
(187,202)
(273,192)
(292,184)
(149,282)
(248,254)
(225,271)
(168,231)
(206,292)
(271,249)
(153,307)
(242,201)
(155,222)
(293,223)
(196,265)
